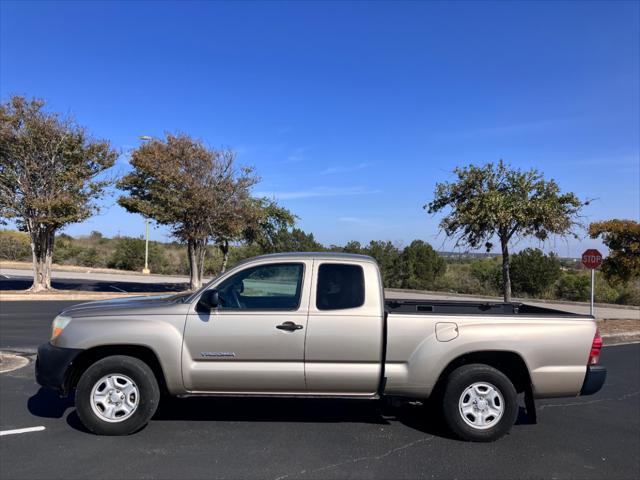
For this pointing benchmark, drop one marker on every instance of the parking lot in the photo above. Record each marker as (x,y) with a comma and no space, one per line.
(584,437)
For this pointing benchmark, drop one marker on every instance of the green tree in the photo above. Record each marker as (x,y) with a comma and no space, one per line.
(353,246)
(129,255)
(622,237)
(574,286)
(197,191)
(388,257)
(296,240)
(49,176)
(421,266)
(533,272)
(496,200)
(263,225)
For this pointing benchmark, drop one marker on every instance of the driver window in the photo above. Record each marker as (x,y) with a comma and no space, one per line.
(265,287)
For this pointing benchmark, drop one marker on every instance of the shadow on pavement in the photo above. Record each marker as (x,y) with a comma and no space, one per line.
(97,286)
(426,419)
(48,404)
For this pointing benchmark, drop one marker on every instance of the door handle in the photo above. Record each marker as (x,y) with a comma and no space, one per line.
(289,326)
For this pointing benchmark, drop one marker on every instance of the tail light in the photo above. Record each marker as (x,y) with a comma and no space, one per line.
(596,346)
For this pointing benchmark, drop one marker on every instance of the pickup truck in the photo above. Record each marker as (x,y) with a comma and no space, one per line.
(316,325)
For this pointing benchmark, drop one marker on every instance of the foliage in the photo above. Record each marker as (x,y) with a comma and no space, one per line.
(622,237)
(496,200)
(295,240)
(574,286)
(129,255)
(534,273)
(420,266)
(269,219)
(488,273)
(195,190)
(49,175)
(14,245)
(389,260)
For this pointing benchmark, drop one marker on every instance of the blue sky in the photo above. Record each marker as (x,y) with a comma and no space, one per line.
(350,112)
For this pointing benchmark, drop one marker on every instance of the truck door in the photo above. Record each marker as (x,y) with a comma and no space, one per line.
(254,341)
(343,351)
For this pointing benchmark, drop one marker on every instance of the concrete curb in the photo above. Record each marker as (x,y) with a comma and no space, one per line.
(11,361)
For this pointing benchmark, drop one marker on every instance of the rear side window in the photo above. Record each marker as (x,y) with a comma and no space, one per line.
(340,286)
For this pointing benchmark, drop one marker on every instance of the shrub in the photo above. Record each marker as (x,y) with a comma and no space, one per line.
(533,273)
(573,286)
(129,255)
(420,266)
(14,246)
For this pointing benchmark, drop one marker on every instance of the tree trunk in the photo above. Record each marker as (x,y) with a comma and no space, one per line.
(506,277)
(42,254)
(196,251)
(224,248)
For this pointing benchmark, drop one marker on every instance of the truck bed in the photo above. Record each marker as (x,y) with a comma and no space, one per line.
(470,307)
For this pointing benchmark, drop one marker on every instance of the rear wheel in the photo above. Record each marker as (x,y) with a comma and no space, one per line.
(117,395)
(480,403)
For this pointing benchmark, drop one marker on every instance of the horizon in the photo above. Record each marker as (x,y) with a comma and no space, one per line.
(350,112)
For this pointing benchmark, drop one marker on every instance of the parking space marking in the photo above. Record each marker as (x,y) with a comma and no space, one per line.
(21,430)
(119,289)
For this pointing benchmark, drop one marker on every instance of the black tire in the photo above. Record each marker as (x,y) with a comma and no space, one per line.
(147,402)
(457,383)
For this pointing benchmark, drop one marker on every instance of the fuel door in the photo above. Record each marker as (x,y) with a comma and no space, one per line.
(446,331)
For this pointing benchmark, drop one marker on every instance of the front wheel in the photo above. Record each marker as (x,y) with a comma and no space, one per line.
(117,395)
(480,403)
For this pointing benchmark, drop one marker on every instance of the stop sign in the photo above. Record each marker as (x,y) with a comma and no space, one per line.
(591,258)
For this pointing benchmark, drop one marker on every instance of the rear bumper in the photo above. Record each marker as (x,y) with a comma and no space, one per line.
(52,365)
(593,380)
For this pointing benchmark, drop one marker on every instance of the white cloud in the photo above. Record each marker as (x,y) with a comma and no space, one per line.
(318,192)
(345,169)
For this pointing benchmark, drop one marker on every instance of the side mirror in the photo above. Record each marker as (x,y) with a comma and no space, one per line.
(209,300)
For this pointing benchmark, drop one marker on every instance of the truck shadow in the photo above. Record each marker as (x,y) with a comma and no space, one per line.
(423,418)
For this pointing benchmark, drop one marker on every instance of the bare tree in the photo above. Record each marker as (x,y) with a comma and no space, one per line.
(49,176)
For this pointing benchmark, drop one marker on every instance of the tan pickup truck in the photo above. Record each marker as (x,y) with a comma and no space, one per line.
(316,324)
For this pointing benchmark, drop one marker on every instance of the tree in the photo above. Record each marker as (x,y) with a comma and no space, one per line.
(296,240)
(195,190)
(533,272)
(421,266)
(622,237)
(129,255)
(388,257)
(496,200)
(262,226)
(49,176)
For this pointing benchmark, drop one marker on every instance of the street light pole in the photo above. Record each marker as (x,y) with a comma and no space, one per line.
(145,270)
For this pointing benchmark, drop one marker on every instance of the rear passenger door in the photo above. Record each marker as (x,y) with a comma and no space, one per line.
(343,349)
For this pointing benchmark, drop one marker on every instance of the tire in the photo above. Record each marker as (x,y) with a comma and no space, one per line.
(480,404)
(117,395)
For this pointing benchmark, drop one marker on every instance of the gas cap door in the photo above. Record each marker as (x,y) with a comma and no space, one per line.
(446,331)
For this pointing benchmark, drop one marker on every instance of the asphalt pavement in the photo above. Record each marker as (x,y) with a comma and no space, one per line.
(584,437)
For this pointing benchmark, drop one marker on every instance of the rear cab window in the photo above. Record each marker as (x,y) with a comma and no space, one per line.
(339,286)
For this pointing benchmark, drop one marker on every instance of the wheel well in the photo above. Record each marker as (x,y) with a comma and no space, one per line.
(92,355)
(509,363)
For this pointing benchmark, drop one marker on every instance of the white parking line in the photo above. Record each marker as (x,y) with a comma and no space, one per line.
(21,430)
(113,286)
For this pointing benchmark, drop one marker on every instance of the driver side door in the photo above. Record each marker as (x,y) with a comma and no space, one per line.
(246,345)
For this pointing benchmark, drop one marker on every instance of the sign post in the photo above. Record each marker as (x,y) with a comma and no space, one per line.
(592,259)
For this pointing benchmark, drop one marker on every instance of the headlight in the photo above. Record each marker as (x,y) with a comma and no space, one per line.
(58,325)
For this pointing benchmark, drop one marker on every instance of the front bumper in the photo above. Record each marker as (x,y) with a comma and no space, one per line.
(593,380)
(52,365)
